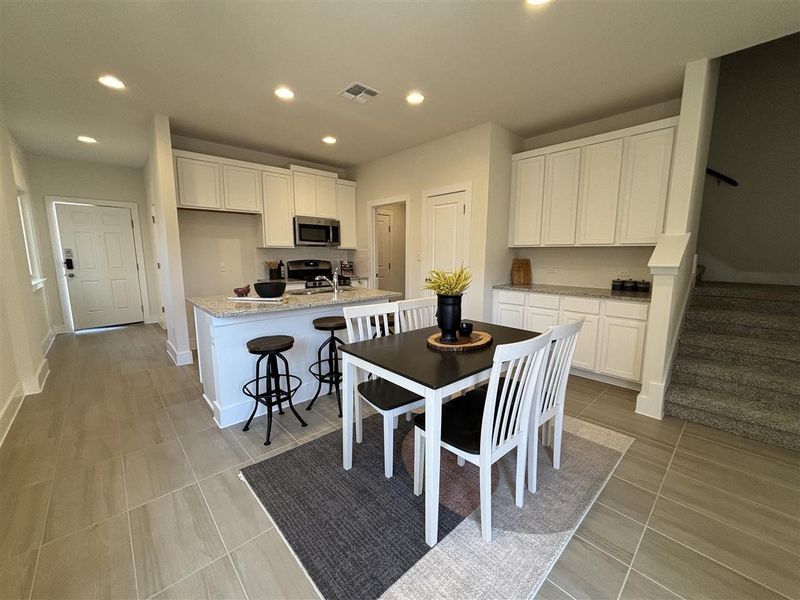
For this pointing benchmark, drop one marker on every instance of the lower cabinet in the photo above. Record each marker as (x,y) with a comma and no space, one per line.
(612,338)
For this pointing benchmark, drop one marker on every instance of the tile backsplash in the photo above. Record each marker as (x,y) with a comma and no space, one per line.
(589,267)
(304,253)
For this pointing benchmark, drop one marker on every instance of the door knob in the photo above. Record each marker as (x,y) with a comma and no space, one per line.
(70,274)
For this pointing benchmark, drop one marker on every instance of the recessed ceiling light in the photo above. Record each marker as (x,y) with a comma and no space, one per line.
(87,139)
(284,93)
(415,98)
(111,81)
(537,2)
(329,139)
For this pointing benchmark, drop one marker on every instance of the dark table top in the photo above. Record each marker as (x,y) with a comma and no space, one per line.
(408,355)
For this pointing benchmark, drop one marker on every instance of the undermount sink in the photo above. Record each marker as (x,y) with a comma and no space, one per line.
(312,291)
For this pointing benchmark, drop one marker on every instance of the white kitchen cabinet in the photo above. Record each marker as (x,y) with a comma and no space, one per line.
(199,183)
(346,208)
(621,347)
(539,319)
(527,183)
(562,174)
(510,315)
(314,193)
(278,209)
(586,348)
(601,166)
(241,189)
(646,162)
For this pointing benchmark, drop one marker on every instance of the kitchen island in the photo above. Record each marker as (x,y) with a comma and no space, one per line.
(224,326)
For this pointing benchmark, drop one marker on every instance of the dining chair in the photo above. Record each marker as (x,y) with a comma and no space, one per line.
(487,423)
(385,397)
(548,409)
(417,313)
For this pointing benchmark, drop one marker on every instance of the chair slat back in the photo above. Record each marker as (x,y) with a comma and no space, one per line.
(417,313)
(515,380)
(554,384)
(359,325)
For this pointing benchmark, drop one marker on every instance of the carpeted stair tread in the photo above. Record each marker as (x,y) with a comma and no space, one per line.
(768,365)
(754,431)
(735,390)
(759,305)
(730,322)
(744,318)
(767,348)
(788,293)
(749,376)
(710,401)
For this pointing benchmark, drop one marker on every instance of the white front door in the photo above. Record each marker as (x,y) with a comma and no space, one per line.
(448,231)
(383,262)
(103,284)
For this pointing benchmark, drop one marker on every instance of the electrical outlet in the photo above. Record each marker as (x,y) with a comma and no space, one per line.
(551,269)
(222,267)
(624,273)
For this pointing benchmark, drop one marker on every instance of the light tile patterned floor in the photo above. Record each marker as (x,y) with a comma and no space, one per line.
(117,484)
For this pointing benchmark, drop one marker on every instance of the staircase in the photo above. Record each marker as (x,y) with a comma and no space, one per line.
(737,364)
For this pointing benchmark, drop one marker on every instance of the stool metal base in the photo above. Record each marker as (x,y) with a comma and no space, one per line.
(333,377)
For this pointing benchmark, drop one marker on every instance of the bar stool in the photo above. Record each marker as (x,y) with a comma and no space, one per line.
(271,348)
(333,376)
(375,325)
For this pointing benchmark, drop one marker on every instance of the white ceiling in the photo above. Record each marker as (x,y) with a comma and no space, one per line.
(212,67)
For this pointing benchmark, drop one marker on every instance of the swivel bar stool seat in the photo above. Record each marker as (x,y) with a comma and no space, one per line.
(333,376)
(266,389)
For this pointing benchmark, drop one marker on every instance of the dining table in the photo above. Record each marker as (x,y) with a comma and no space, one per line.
(406,360)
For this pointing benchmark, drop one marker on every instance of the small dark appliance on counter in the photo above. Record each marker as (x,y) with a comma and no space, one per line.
(629,285)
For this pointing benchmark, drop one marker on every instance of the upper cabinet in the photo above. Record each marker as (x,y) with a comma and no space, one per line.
(213,183)
(346,207)
(241,189)
(314,193)
(278,210)
(609,189)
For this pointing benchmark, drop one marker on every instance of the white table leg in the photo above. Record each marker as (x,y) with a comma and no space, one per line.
(433,440)
(348,379)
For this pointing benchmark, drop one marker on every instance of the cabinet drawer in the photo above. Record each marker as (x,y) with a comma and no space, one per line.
(627,310)
(589,306)
(508,297)
(544,301)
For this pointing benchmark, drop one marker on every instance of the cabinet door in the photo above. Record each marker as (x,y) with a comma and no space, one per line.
(621,348)
(510,315)
(198,183)
(586,348)
(346,201)
(305,195)
(241,189)
(601,166)
(527,182)
(561,197)
(646,164)
(539,319)
(277,210)
(326,197)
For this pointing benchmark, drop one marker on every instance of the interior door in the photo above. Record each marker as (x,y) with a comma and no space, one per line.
(383,241)
(448,230)
(103,284)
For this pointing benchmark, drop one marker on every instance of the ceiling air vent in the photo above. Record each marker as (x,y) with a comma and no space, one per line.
(359,92)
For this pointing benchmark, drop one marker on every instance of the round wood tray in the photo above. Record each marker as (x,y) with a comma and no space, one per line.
(476,341)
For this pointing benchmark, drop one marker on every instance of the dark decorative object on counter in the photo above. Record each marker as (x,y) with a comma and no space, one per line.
(643,286)
(629,285)
(465,329)
(269,289)
(617,285)
(243,291)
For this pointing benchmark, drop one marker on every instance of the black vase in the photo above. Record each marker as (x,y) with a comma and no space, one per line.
(448,317)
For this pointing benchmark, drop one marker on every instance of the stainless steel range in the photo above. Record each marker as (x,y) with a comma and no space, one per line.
(310,270)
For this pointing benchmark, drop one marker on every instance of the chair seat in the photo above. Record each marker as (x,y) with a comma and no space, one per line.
(385,395)
(330,323)
(461,422)
(269,344)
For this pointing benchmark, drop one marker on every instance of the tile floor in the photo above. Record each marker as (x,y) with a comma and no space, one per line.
(117,484)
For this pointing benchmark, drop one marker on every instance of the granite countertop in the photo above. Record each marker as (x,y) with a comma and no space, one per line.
(220,306)
(581,292)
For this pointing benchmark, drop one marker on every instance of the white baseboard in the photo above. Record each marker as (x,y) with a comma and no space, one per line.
(12,404)
(624,383)
(650,402)
(47,342)
(61,329)
(149,319)
(35,383)
(163,322)
(184,357)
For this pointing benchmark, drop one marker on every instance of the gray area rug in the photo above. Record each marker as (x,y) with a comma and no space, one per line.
(360,535)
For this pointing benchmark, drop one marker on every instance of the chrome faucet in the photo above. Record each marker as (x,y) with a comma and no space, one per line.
(334,284)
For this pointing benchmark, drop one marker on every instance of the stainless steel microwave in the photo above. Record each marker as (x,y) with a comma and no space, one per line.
(314,231)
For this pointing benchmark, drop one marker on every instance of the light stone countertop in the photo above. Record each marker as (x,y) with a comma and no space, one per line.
(220,306)
(580,292)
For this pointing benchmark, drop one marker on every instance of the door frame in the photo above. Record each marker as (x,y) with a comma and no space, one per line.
(373,246)
(55,243)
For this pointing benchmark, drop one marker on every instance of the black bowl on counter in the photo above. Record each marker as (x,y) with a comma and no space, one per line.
(270,289)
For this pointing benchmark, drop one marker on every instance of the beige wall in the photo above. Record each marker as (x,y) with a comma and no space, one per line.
(751,233)
(455,159)
(51,176)
(587,267)
(639,116)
